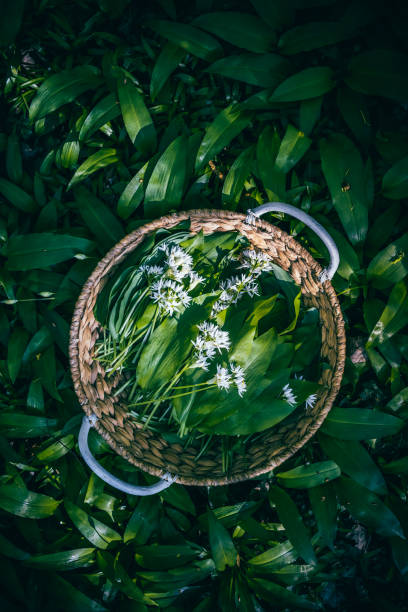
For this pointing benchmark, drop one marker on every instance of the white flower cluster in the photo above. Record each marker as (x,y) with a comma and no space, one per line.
(208,342)
(290,397)
(233,289)
(179,263)
(256,262)
(236,287)
(169,295)
(224,378)
(168,285)
(152,271)
(194,279)
(211,339)
(288,394)
(310,402)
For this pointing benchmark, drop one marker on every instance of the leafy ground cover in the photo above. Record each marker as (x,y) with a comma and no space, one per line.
(114,114)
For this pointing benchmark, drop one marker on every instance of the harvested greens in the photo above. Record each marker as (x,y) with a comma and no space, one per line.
(209,338)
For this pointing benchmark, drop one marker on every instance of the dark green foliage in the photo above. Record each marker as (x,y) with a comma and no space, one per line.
(114,113)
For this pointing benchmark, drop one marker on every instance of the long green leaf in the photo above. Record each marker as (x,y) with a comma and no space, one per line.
(189,38)
(354,461)
(166,556)
(17,196)
(272,178)
(324,505)
(240,29)
(100,159)
(344,173)
(223,550)
(309,113)
(100,220)
(293,147)
(292,521)
(390,265)
(312,35)
(56,450)
(117,574)
(27,252)
(266,70)
(20,501)
(308,83)
(235,179)
(395,180)
(136,117)
(228,124)
(278,595)
(99,534)
(16,348)
(70,599)
(366,507)
(63,88)
(69,154)
(165,188)
(178,496)
(307,476)
(107,109)
(360,424)
(19,425)
(279,555)
(143,521)
(63,561)
(167,62)
(133,194)
(393,318)
(356,113)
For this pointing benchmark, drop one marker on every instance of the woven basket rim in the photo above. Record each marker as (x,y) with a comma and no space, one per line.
(119,252)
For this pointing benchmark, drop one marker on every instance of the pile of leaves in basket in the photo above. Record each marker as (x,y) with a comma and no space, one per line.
(209,338)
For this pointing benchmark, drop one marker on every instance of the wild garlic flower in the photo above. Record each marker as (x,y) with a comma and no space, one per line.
(201,360)
(213,336)
(310,402)
(169,295)
(242,284)
(222,378)
(201,345)
(179,262)
(233,289)
(219,306)
(289,395)
(256,262)
(152,271)
(239,379)
(207,343)
(195,279)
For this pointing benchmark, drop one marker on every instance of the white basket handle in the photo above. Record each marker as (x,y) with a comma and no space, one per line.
(328,272)
(87,423)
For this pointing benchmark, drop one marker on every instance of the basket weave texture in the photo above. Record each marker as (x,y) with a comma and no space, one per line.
(151,452)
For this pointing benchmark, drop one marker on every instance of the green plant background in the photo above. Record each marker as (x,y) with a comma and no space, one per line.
(114,113)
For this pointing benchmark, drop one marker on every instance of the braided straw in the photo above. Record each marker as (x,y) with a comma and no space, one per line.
(151,452)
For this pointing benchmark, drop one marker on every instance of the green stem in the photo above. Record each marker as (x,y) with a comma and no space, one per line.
(169,397)
(194,385)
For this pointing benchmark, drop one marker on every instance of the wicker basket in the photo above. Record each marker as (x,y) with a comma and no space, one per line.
(149,451)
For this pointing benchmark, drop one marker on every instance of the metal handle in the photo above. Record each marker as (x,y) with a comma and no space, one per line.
(87,456)
(328,272)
